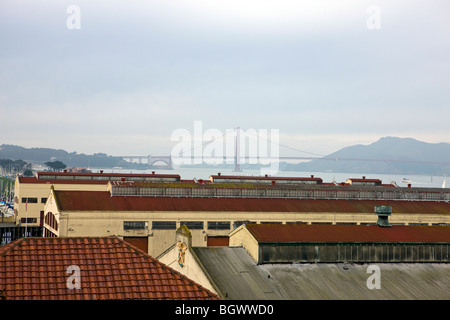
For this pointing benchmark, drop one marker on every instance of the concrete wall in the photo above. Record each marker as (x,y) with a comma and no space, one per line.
(190,269)
(241,237)
(83,223)
(190,266)
(42,190)
(109,223)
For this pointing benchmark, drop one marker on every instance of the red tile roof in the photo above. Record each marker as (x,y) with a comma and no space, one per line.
(348,233)
(103,201)
(110,269)
(364,180)
(106,174)
(265,178)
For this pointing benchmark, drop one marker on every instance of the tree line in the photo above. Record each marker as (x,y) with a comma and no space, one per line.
(15,166)
(19,166)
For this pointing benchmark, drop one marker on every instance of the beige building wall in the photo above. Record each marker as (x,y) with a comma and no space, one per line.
(187,264)
(190,269)
(82,223)
(108,223)
(241,237)
(41,191)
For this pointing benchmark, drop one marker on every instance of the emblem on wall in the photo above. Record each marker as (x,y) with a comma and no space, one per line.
(181,252)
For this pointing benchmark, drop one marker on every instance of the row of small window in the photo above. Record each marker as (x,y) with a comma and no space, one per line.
(193,225)
(172,225)
(33,200)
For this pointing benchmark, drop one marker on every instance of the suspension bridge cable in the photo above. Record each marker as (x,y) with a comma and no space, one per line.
(204,144)
(281,145)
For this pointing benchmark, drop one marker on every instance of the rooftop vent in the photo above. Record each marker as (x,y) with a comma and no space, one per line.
(383,213)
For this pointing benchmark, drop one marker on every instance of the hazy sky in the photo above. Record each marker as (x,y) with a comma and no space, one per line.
(136,71)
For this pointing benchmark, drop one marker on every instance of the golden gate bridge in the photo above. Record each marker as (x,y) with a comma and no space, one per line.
(237,158)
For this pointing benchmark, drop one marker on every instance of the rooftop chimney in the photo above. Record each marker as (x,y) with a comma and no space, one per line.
(383,213)
(364,177)
(218,173)
(101,171)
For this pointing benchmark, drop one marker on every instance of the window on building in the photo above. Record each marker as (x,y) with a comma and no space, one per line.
(43,200)
(28,220)
(164,225)
(193,225)
(51,221)
(41,218)
(29,200)
(218,225)
(135,225)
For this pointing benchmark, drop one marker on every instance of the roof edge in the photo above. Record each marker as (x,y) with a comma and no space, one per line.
(163,265)
(206,273)
(286,243)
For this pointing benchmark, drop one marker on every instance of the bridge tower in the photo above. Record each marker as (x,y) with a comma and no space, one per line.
(237,154)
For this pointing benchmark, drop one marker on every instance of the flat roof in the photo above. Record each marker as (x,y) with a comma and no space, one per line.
(104,201)
(296,233)
(238,277)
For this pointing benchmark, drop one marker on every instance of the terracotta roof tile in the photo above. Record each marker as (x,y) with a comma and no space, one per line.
(37,269)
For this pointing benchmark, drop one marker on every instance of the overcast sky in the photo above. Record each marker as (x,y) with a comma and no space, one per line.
(136,71)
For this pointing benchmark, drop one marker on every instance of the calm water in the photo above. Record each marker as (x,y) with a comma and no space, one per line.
(200,173)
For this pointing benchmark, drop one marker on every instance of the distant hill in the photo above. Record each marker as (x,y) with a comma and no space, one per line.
(72,159)
(389,155)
